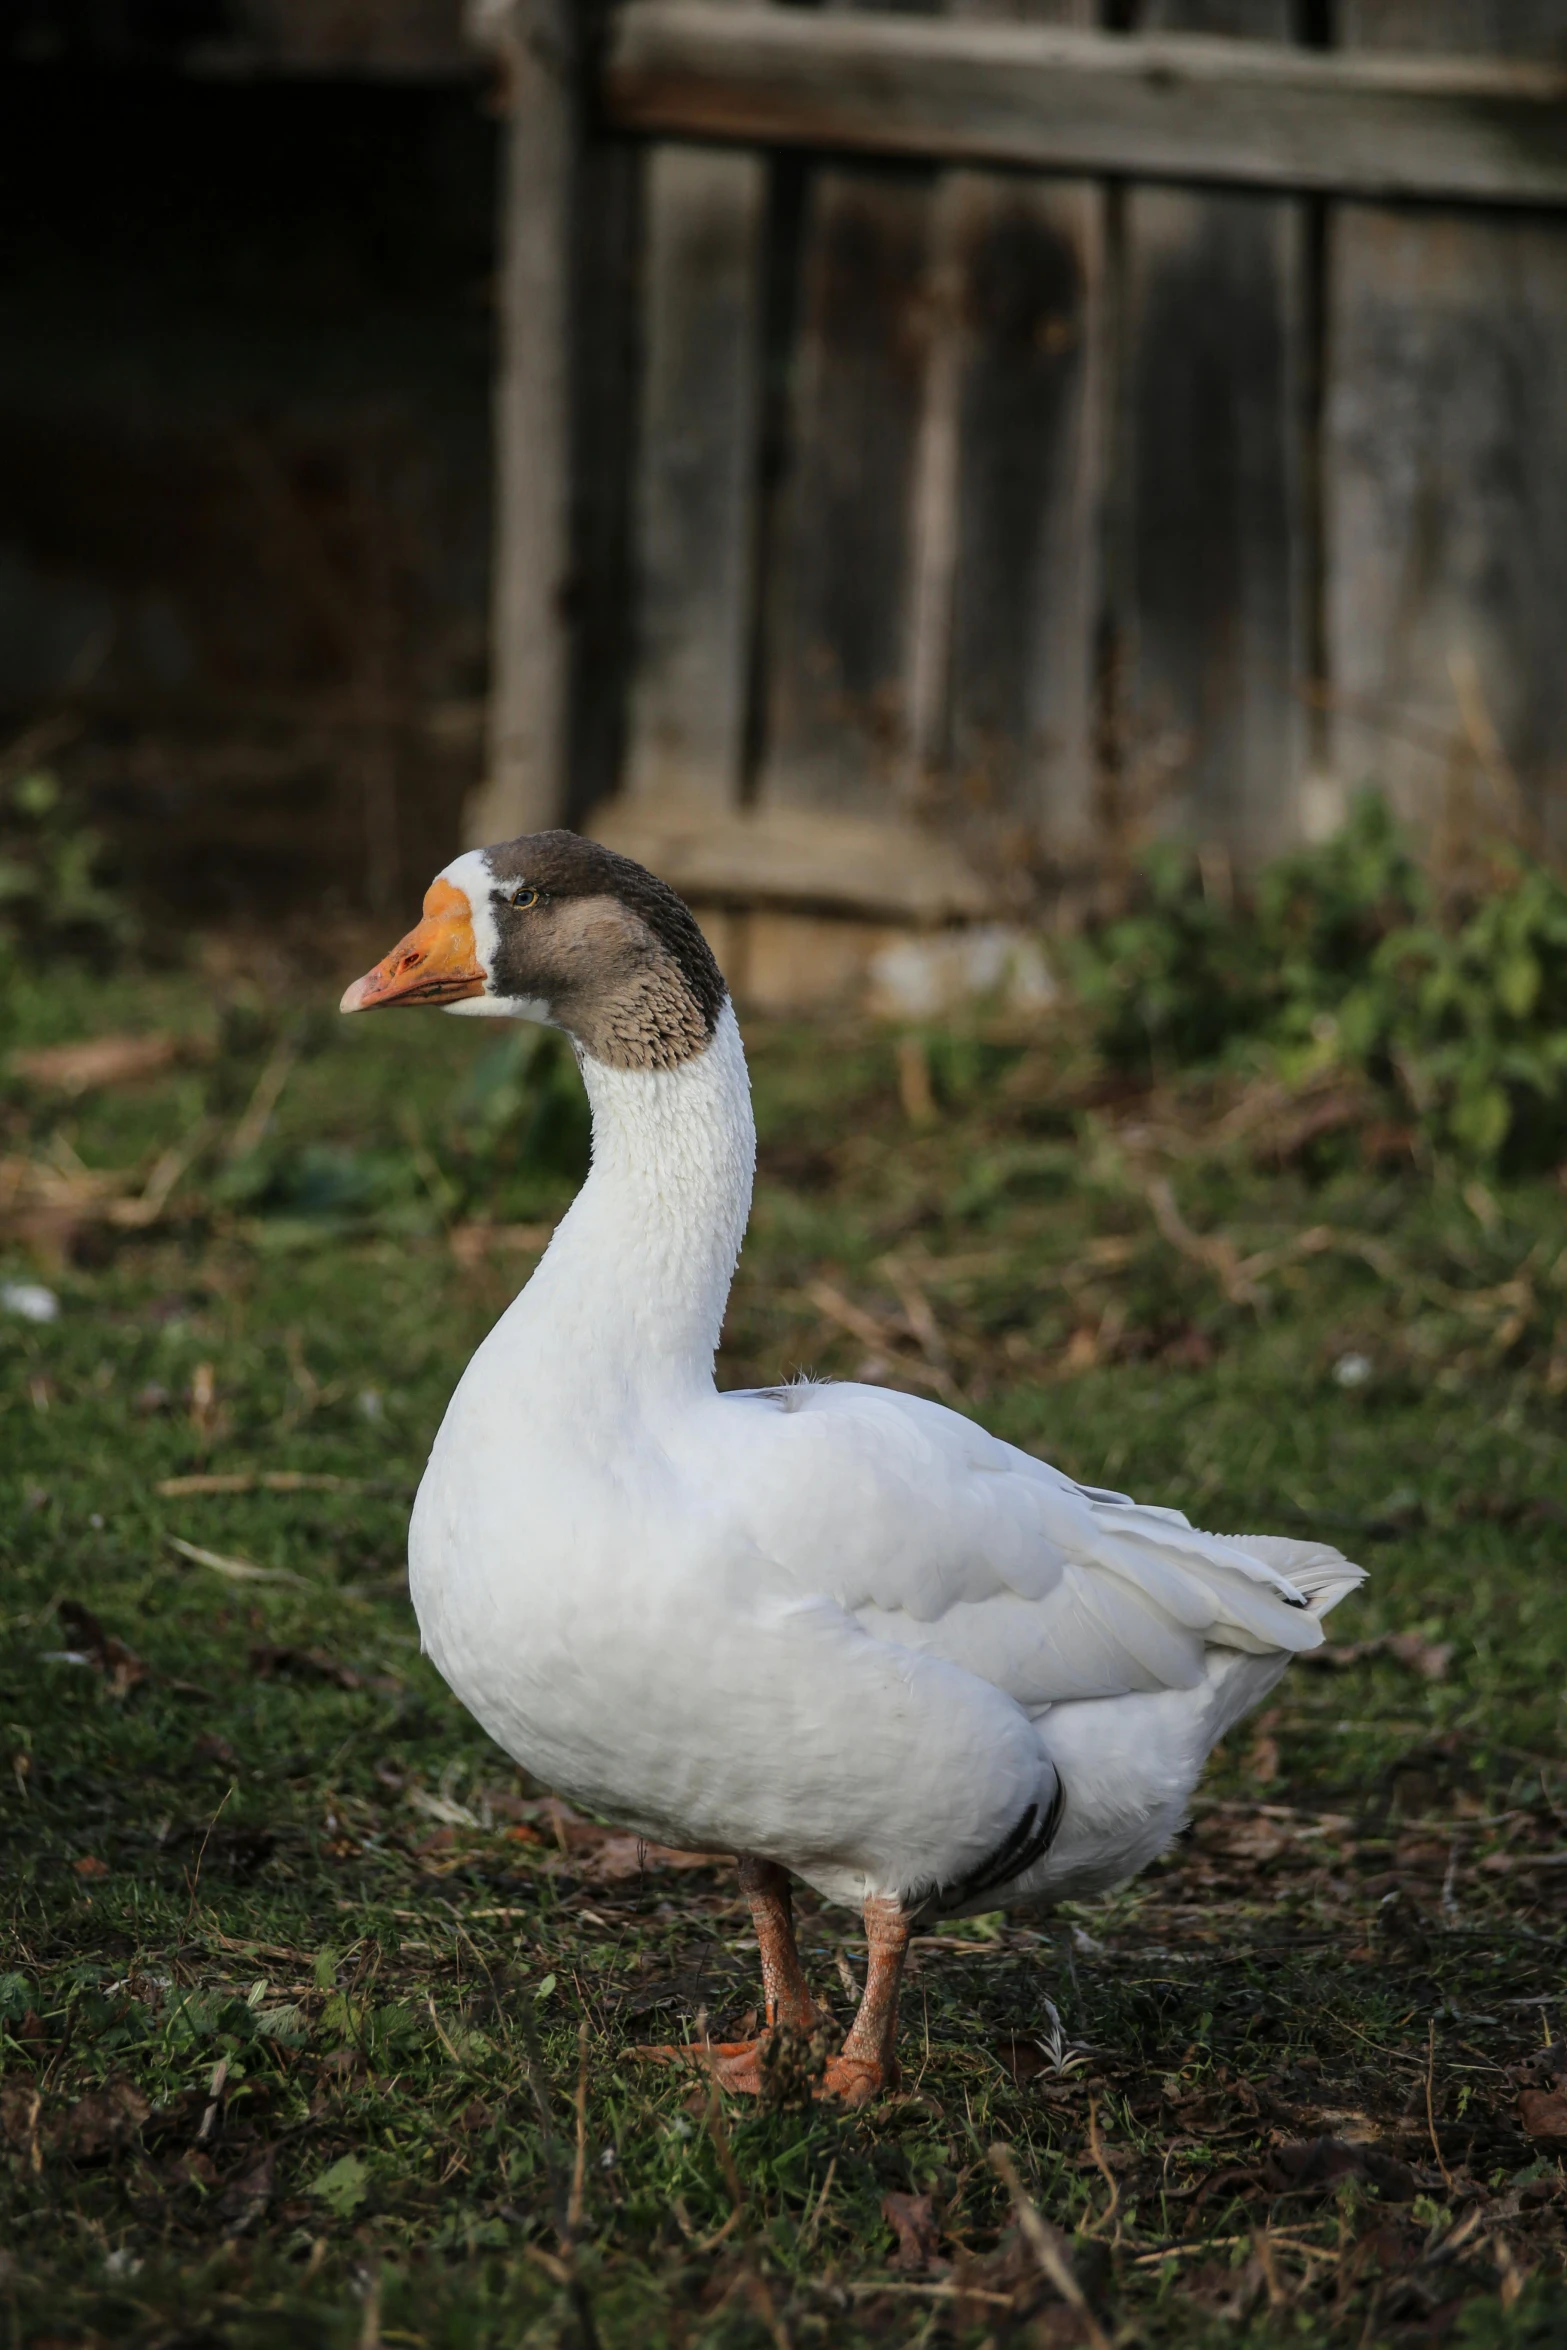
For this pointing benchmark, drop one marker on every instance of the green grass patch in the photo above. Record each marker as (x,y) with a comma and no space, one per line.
(317,2018)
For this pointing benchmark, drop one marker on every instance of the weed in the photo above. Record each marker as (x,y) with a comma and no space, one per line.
(1344,958)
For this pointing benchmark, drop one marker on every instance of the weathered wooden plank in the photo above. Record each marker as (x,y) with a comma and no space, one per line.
(606,346)
(838,612)
(797,856)
(696,472)
(697,451)
(934,613)
(1026,585)
(530,650)
(1173,107)
(1446,479)
(1212,722)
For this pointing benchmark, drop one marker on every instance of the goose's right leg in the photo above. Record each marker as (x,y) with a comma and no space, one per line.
(786,1993)
(737,2064)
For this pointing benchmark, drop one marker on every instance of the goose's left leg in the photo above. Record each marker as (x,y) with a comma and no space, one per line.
(868,2061)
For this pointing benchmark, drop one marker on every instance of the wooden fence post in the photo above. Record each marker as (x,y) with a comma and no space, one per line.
(526,784)
(1446,480)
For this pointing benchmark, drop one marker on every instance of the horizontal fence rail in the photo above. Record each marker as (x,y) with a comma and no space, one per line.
(1187,108)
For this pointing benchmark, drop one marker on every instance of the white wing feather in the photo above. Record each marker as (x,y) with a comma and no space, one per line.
(938,1536)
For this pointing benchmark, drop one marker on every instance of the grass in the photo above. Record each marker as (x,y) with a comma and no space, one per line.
(317,2016)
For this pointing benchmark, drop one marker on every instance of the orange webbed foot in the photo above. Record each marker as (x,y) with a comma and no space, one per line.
(735,2065)
(856,2079)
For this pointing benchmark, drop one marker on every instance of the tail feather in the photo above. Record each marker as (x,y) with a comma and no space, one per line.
(1259,1593)
(1321,1574)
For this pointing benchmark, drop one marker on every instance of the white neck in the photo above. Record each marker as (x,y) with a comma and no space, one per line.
(629,1299)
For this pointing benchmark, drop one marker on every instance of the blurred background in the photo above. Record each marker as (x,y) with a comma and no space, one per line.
(1045,519)
(958,458)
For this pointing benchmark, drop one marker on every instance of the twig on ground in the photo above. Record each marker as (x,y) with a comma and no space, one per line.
(579,2167)
(808,2232)
(1097,2153)
(1436,2143)
(256,1116)
(195,1882)
(1210,1250)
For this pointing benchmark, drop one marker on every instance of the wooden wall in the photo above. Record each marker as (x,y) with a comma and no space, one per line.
(1049,509)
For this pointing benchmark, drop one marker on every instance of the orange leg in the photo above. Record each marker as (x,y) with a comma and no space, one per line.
(737,2063)
(869,2058)
(784,1987)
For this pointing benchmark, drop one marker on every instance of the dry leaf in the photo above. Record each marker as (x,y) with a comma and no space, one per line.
(249,1480)
(203,1398)
(1429,1658)
(100,1060)
(1543,2113)
(246,2196)
(1320,2162)
(90,1866)
(619,1857)
(442,1808)
(104,2119)
(98,2123)
(912,2219)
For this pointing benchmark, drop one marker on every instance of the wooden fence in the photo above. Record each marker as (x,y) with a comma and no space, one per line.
(946,444)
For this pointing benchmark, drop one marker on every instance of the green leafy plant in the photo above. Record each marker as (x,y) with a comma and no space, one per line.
(55,897)
(1174,979)
(521,1115)
(1458,1011)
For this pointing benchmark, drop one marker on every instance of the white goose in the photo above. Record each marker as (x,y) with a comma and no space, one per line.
(840,1632)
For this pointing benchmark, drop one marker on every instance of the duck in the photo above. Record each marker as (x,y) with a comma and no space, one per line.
(841,1633)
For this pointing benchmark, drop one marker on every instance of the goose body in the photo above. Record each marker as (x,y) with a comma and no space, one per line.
(841,1632)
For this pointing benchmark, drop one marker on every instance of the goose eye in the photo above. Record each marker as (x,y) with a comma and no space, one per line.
(523,898)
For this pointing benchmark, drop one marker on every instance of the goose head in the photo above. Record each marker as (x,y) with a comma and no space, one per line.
(556,928)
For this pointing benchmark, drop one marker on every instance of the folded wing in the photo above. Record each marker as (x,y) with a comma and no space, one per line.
(940,1537)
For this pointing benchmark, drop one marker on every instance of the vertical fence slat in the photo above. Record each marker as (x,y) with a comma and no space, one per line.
(837,726)
(526,783)
(1023,618)
(696,488)
(1213,532)
(1446,471)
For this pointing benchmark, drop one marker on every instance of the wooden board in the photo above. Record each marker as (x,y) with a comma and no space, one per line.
(1025,592)
(606,345)
(1446,479)
(1212,538)
(697,473)
(530,651)
(837,713)
(1026,263)
(933,606)
(1183,108)
(813,858)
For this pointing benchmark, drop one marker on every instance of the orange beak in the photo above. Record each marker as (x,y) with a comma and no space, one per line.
(436,963)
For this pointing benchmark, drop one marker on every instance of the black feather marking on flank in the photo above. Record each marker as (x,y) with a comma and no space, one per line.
(1026,1842)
